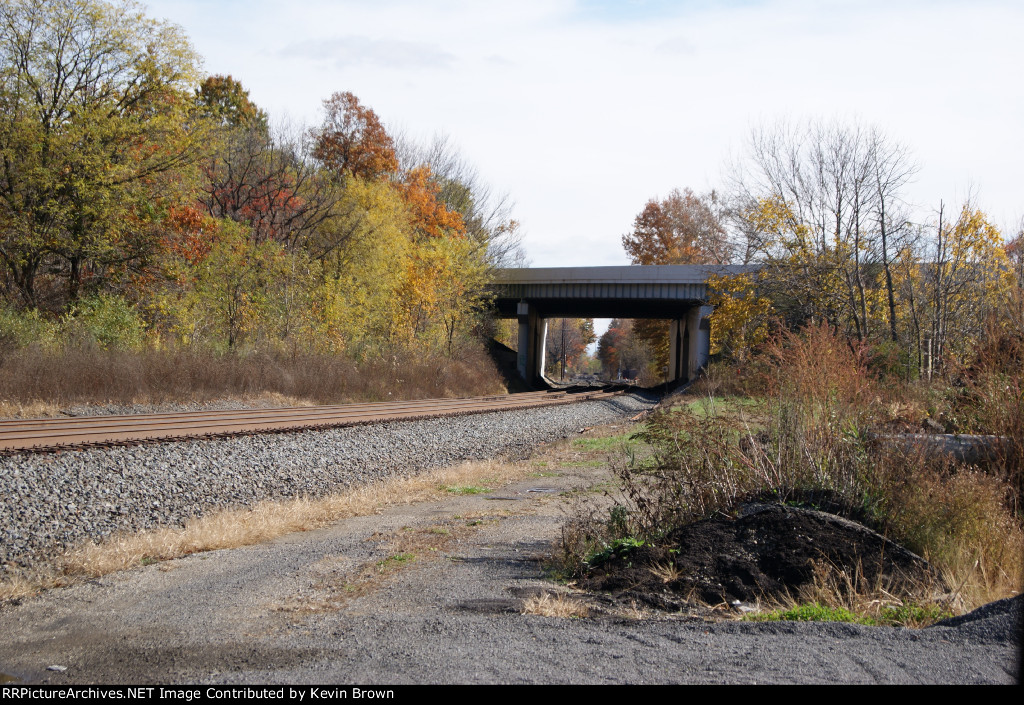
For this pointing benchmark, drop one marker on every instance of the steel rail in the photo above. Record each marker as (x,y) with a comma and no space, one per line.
(74,421)
(48,435)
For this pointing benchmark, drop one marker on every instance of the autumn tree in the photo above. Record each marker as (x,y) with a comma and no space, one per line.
(741,317)
(229,295)
(352,141)
(683,228)
(430,216)
(266,179)
(821,206)
(361,303)
(486,215)
(620,351)
(567,341)
(1015,253)
(226,101)
(822,209)
(94,110)
(966,276)
(890,169)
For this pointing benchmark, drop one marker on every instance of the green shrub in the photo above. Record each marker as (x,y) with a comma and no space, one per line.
(619,548)
(20,329)
(107,319)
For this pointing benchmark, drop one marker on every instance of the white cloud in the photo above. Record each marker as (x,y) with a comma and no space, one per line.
(348,51)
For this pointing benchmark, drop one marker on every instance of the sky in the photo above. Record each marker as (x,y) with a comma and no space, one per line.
(583,110)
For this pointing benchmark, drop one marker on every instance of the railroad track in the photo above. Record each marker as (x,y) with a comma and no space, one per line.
(50,435)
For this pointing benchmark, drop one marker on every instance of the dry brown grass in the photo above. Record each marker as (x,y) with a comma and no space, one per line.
(42,409)
(666,572)
(956,518)
(31,409)
(559,605)
(846,587)
(34,377)
(242,527)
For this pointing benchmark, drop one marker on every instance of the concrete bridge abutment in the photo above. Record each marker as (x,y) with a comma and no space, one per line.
(533,334)
(689,342)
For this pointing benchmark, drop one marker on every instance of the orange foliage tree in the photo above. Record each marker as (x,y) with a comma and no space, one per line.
(353,141)
(430,217)
(681,229)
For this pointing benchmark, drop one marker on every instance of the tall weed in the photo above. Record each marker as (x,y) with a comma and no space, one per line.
(990,400)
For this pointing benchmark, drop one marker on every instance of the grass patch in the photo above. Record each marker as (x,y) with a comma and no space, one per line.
(604,444)
(465,489)
(398,559)
(713,406)
(911,615)
(809,613)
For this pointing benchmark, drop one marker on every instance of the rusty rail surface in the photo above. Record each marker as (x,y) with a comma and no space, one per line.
(49,435)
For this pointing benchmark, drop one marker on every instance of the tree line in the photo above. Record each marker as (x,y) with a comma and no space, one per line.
(143,201)
(821,207)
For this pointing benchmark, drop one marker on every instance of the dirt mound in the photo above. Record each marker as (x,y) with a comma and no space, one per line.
(769,552)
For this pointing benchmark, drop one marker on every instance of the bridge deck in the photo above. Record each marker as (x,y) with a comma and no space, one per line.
(654,291)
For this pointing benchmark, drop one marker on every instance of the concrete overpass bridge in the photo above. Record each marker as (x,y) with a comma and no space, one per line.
(675,292)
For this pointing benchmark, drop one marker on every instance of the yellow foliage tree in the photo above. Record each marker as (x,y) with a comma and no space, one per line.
(741,316)
(231,295)
(444,287)
(967,276)
(805,278)
(359,303)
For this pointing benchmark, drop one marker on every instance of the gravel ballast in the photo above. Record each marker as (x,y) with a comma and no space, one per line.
(49,502)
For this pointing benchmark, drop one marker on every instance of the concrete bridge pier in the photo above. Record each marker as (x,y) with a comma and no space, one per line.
(533,334)
(689,343)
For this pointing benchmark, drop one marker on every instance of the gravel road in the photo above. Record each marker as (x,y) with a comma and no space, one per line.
(433,593)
